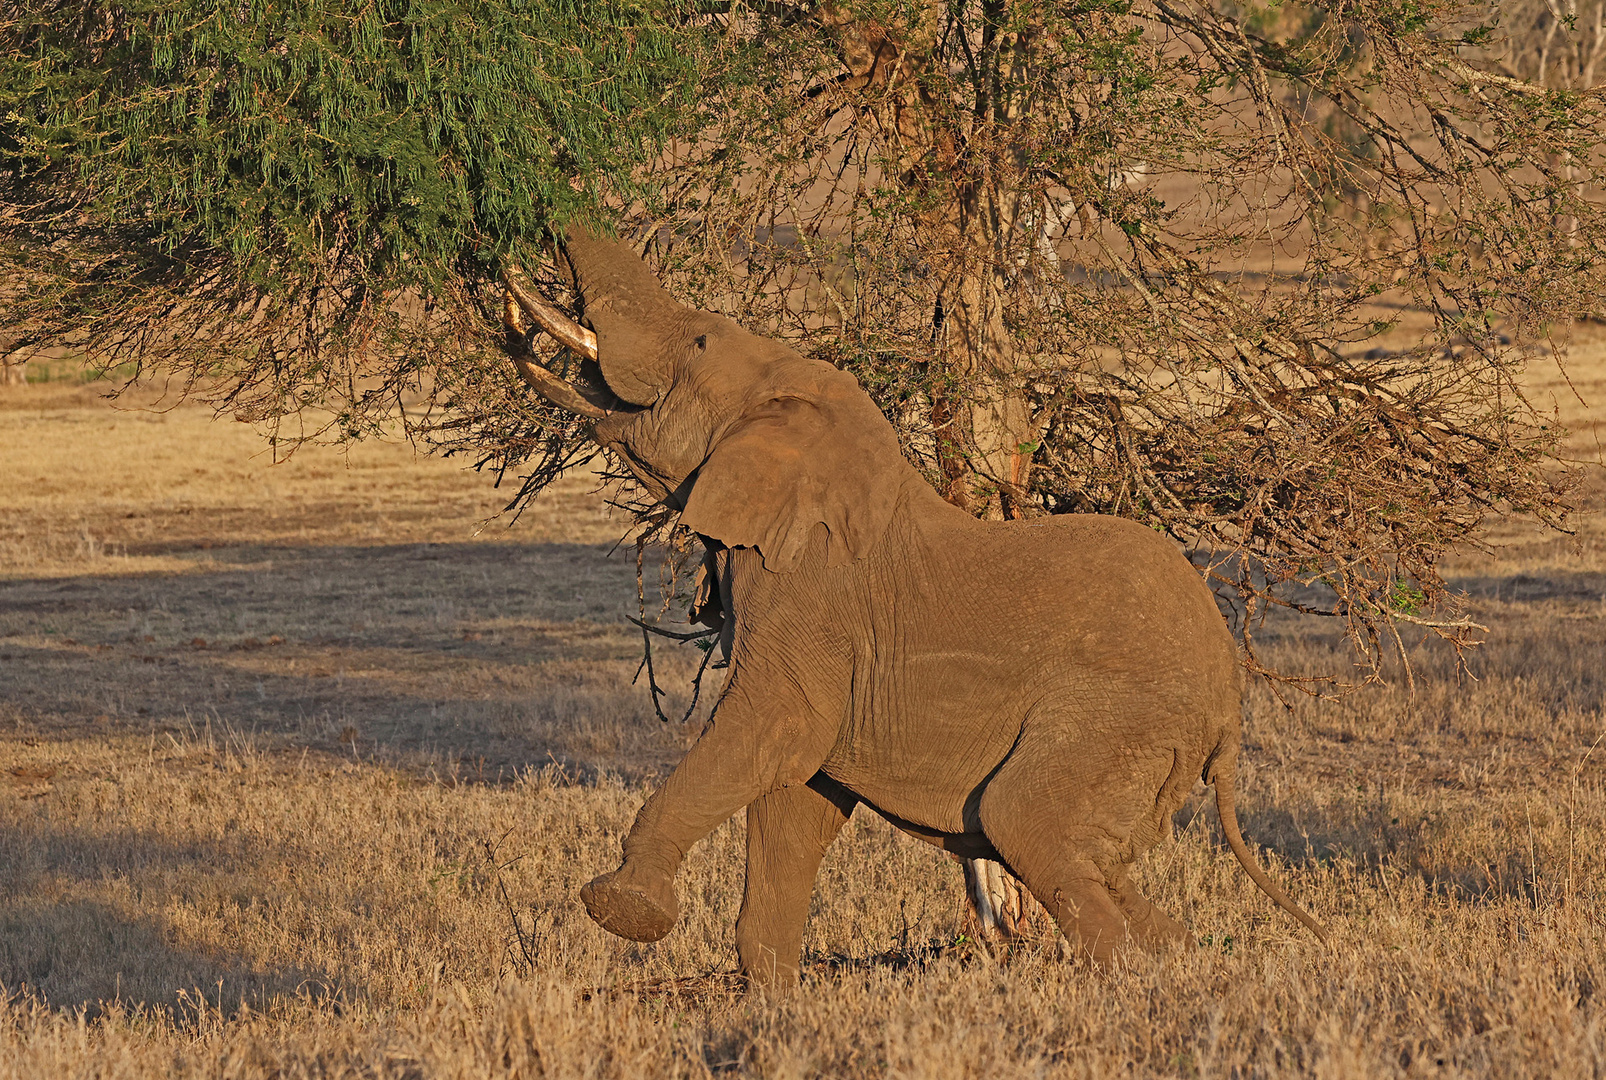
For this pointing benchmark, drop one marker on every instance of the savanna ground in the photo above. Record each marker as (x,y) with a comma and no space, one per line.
(301,769)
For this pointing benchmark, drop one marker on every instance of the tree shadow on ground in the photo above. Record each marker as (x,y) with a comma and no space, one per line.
(1380,842)
(66,940)
(472,661)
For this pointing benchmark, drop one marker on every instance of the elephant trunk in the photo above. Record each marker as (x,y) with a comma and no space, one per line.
(635,328)
(640,328)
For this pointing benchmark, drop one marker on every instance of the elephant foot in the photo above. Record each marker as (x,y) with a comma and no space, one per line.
(629,910)
(1163,933)
(766,974)
(770,985)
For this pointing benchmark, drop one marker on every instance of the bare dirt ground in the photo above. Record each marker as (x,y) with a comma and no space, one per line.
(301,768)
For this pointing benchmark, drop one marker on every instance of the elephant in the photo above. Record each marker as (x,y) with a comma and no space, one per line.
(1040,693)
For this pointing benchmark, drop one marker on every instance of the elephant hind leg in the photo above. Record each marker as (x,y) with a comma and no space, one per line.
(1062,830)
(1067,882)
(1150,927)
(1075,893)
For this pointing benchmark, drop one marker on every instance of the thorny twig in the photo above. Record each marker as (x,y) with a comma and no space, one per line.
(525,947)
(670,634)
(652,681)
(647,630)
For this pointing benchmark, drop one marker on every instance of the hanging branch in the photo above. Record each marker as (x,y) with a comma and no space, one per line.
(652,681)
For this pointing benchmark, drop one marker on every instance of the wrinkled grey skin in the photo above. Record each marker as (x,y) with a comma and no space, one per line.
(1042,693)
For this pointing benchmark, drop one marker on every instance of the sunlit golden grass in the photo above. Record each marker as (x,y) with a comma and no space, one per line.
(299,776)
(147,486)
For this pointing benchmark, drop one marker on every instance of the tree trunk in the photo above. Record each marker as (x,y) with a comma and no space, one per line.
(988,434)
(984,430)
(14,371)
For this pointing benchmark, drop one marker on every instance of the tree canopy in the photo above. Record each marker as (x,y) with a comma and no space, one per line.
(1262,277)
(287,200)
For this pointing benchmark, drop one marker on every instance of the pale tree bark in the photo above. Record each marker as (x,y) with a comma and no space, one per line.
(985,431)
(991,435)
(1565,54)
(996,430)
(13,364)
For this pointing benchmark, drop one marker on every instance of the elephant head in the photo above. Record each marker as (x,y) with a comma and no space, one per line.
(755,444)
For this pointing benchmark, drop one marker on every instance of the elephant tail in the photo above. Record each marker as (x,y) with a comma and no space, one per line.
(1223,778)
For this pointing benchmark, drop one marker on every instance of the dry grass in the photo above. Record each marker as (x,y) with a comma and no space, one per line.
(286,754)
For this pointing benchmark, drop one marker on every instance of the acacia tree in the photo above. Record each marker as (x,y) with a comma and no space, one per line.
(1134,256)
(1554,43)
(299,204)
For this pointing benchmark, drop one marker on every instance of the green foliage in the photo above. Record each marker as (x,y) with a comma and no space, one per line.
(323,157)
(416,130)
(1406,598)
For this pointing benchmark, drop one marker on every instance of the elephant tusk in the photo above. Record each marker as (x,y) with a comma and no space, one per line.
(547,317)
(520,301)
(555,390)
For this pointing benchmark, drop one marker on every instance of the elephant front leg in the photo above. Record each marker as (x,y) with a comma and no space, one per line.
(788,831)
(741,756)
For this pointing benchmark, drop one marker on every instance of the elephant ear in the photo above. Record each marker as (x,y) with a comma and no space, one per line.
(817,453)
